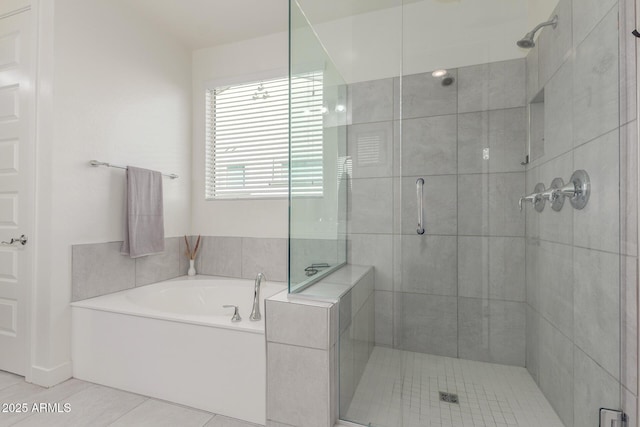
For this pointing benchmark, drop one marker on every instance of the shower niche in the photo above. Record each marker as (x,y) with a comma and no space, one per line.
(536,128)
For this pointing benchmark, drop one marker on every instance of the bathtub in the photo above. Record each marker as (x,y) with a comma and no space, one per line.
(173,341)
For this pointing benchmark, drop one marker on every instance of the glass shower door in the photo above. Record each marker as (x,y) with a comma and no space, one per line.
(500,296)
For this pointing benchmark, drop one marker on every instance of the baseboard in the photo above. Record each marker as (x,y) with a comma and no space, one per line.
(48,377)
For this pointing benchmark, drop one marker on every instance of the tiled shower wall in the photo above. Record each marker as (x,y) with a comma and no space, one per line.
(99,269)
(576,293)
(459,289)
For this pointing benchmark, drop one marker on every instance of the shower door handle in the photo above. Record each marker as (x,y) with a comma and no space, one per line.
(419,196)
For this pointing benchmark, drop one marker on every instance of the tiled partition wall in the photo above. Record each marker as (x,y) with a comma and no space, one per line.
(356,323)
(459,289)
(99,269)
(302,362)
(575,300)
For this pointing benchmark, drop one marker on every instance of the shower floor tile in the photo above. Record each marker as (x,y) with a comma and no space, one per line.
(401,388)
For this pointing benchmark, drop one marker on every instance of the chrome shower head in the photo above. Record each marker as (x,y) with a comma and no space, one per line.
(527,41)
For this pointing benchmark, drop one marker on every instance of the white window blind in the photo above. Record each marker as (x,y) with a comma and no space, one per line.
(247,138)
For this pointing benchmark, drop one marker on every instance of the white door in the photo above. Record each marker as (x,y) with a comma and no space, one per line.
(16,186)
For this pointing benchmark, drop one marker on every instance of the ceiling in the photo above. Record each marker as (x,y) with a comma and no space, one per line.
(205,23)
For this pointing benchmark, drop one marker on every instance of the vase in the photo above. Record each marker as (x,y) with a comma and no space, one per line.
(192,268)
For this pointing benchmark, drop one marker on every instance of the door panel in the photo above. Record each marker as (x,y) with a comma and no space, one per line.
(16,186)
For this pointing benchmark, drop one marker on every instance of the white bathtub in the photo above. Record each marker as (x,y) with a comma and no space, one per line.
(174,341)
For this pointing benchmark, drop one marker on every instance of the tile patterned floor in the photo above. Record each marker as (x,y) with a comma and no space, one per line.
(400,389)
(95,406)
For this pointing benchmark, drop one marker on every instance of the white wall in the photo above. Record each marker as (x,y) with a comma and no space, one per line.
(427,35)
(236,62)
(539,11)
(117,89)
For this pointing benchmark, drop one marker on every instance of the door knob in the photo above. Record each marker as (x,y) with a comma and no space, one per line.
(22,240)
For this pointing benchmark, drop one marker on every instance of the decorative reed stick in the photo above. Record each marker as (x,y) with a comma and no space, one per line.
(189,253)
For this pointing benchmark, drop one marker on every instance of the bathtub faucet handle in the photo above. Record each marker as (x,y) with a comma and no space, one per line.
(236,313)
(255,311)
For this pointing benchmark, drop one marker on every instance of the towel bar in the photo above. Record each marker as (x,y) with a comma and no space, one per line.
(96,163)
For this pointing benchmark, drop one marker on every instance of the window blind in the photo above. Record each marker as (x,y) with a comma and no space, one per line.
(247,138)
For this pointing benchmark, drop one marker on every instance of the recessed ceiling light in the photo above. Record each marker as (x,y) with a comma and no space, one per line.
(439,73)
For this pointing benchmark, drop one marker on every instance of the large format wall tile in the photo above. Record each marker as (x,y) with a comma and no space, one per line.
(505,219)
(491,331)
(371,101)
(628,189)
(429,265)
(532,344)
(555,285)
(473,205)
(429,324)
(347,370)
(383,318)
(268,256)
(298,385)
(533,273)
(375,250)
(556,373)
(628,78)
(629,306)
(492,86)
(586,15)
(507,268)
(558,111)
(473,266)
(99,269)
(596,82)
(220,256)
(532,217)
(507,84)
(312,325)
(492,141)
(555,43)
(424,96)
(473,138)
(473,88)
(429,146)
(507,139)
(165,266)
(491,267)
(532,64)
(371,206)
(597,226)
(439,205)
(536,132)
(370,146)
(597,306)
(305,252)
(594,388)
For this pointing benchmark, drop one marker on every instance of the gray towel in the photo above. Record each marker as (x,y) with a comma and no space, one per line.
(144,218)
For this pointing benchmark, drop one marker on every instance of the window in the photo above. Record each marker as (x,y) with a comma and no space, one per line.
(247,138)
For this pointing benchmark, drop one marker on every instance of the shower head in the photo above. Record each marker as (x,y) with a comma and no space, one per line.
(527,41)
(447,81)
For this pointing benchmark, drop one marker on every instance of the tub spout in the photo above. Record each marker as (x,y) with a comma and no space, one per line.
(255,312)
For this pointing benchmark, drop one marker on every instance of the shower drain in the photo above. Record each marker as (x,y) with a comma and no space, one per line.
(449,397)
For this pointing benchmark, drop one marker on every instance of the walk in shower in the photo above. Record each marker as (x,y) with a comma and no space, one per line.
(484,177)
